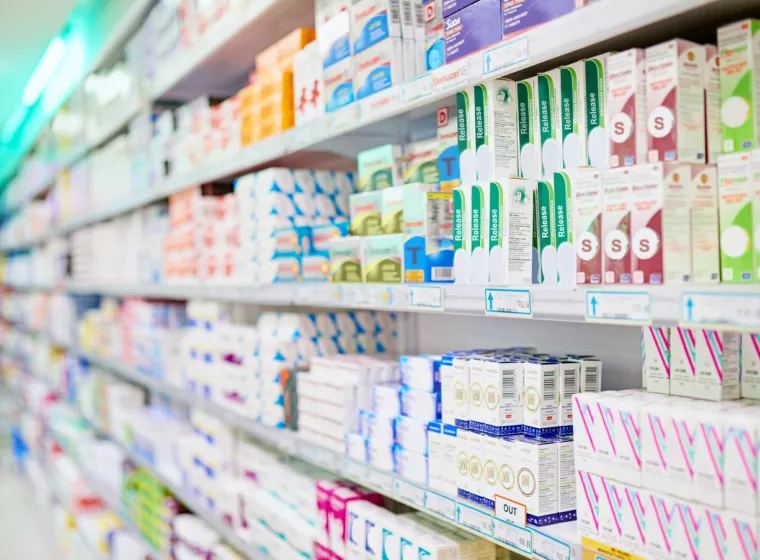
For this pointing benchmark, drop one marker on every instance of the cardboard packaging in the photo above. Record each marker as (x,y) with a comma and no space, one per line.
(626,103)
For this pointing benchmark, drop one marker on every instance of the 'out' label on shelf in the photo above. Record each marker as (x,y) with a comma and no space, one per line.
(611,306)
(428,298)
(505,55)
(708,309)
(510,511)
(516,537)
(506,302)
(443,506)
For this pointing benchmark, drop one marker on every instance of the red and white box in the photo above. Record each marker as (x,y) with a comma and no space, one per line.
(626,106)
(616,225)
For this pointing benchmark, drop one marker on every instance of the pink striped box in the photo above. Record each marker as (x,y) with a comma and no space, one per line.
(750,365)
(718,365)
(657,359)
(726,535)
(742,441)
(683,360)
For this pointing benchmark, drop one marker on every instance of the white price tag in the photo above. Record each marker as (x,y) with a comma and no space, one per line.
(357,471)
(510,511)
(514,536)
(420,87)
(381,480)
(380,105)
(451,77)
(440,504)
(288,444)
(505,55)
(429,298)
(735,309)
(505,302)
(550,548)
(475,519)
(611,306)
(409,492)
(345,118)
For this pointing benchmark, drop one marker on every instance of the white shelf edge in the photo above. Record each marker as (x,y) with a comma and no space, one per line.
(608,18)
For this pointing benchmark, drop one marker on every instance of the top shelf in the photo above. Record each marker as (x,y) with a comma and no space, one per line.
(601,26)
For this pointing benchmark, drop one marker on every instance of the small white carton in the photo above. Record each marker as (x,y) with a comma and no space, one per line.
(750,367)
(541,398)
(718,365)
(537,478)
(657,359)
(683,358)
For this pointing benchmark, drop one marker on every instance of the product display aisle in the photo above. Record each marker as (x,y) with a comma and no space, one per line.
(397,279)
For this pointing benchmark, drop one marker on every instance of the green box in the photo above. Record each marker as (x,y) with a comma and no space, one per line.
(366,213)
(392,212)
(380,167)
(384,259)
(346,255)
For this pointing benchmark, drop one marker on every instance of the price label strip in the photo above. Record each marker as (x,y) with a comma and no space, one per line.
(410,492)
(440,504)
(426,298)
(419,88)
(505,56)
(516,537)
(451,77)
(381,480)
(718,310)
(624,308)
(508,303)
(550,548)
(475,519)
(355,470)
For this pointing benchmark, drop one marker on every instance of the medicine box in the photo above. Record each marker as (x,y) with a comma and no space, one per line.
(537,478)
(541,415)
(518,17)
(494,117)
(597,139)
(380,167)
(528,130)
(374,21)
(510,226)
(705,241)
(428,242)
(587,207)
(657,363)
(379,67)
(736,192)
(422,162)
(383,259)
(616,232)
(471,29)
(346,259)
(366,213)
(626,105)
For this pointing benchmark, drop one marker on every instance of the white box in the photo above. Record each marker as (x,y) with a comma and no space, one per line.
(461,389)
(491,462)
(412,20)
(411,434)
(750,366)
(541,398)
(339,84)
(742,441)
(494,117)
(661,517)
(529,130)
(386,400)
(568,383)
(503,386)
(410,465)
(373,21)
(718,365)
(334,39)
(587,208)
(566,490)
(683,380)
(705,241)
(728,535)
(422,405)
(308,85)
(657,359)
(627,106)
(477,393)
(475,464)
(657,438)
(463,464)
(435,456)
(510,239)
(585,419)
(548,116)
(713,122)
(379,67)
(589,493)
(675,102)
(572,117)
(537,479)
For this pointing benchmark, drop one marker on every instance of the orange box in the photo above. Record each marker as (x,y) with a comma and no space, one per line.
(247,128)
(273,82)
(273,125)
(274,106)
(247,97)
(285,48)
(267,58)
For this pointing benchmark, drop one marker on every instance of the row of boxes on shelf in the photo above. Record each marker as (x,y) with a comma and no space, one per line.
(660,476)
(701,363)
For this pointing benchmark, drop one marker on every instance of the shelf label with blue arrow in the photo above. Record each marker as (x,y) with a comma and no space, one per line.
(440,504)
(475,518)
(550,548)
(508,302)
(505,55)
(409,492)
(625,308)
(426,298)
(739,310)
(513,535)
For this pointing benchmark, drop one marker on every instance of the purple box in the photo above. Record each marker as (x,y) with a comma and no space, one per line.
(519,15)
(451,7)
(472,28)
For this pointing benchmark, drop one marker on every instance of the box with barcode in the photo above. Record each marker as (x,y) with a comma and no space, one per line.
(568,384)
(428,236)
(537,462)
(566,504)
(412,20)
(590,374)
(502,411)
(541,398)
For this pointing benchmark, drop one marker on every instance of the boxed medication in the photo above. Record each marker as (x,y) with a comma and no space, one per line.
(518,17)
(739,95)
(448,150)
(549,125)
(386,400)
(392,209)
(379,67)
(413,20)
(380,167)
(421,372)
(616,224)
(727,535)
(597,135)
(334,42)
(713,123)
(528,130)
(736,191)
(366,213)
(428,230)
(589,488)
(537,462)
(471,29)
(586,212)
(422,162)
(410,465)
(510,224)
(411,434)
(545,232)
(718,365)
(705,244)
(383,259)
(568,383)
(450,7)
(494,118)
(571,102)
(373,21)
(502,410)
(420,404)
(435,56)
(308,85)
(742,434)
(346,259)
(675,102)
(627,106)
(566,492)
(681,352)
(541,399)
(750,366)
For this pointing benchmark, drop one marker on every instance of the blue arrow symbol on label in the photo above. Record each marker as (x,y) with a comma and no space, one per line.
(459,511)
(488,63)
(593,306)
(689,309)
(490,301)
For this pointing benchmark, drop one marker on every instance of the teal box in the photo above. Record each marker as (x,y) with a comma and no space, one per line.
(428,237)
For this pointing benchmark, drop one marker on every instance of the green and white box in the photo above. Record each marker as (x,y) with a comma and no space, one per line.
(548,113)
(380,167)
(739,46)
(527,129)
(571,96)
(494,119)
(510,232)
(463,193)
(384,259)
(597,137)
(736,192)
(392,209)
(546,238)
(365,209)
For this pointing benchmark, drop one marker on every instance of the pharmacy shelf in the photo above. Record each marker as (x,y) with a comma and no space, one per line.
(556,542)
(616,24)
(223,56)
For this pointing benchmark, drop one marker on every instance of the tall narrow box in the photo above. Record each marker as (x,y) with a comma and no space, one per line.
(627,105)
(587,208)
(616,224)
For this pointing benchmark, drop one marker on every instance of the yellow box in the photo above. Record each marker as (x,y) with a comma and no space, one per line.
(273,125)
(247,97)
(275,106)
(247,128)
(273,82)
